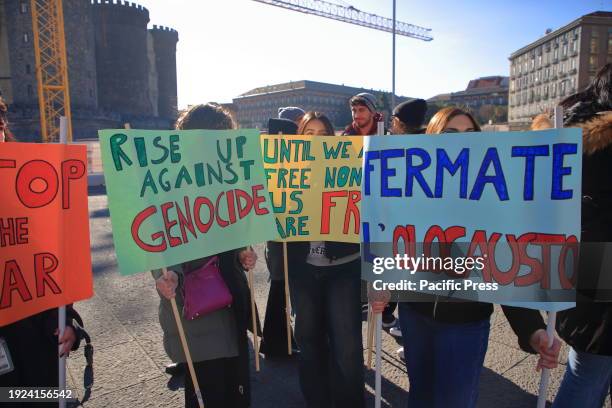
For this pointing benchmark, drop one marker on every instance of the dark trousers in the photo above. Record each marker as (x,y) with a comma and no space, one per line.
(274,343)
(328,332)
(218,382)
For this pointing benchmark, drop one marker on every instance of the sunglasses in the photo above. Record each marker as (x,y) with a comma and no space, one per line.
(456,131)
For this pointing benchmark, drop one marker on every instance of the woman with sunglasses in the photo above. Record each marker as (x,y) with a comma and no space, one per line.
(445,342)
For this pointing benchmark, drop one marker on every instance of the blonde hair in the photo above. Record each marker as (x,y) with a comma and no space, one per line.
(541,122)
(440,120)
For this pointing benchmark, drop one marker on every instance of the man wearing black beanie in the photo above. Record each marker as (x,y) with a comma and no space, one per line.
(408,117)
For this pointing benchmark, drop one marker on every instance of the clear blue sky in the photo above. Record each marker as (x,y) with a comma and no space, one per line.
(227,47)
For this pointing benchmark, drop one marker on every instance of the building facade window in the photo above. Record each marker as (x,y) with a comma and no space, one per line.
(26,38)
(30,91)
(594,42)
(593,63)
(23,7)
(555,55)
(28,69)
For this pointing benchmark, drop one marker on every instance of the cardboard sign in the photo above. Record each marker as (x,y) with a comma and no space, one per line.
(510,199)
(315,185)
(175,196)
(45,257)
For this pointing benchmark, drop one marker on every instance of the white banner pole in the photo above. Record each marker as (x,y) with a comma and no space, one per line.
(61,311)
(552,316)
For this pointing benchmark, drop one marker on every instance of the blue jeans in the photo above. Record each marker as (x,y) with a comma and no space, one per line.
(586,381)
(327,303)
(444,360)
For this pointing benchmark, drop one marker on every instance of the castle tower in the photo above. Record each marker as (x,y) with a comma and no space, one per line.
(79,33)
(121,55)
(164,46)
(18,65)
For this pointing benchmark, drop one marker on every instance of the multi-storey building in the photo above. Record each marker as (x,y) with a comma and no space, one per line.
(491,90)
(557,65)
(254,108)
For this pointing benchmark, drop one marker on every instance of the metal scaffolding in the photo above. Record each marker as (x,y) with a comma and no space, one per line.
(51,67)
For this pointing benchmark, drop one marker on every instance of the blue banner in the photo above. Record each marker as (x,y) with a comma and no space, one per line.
(483,216)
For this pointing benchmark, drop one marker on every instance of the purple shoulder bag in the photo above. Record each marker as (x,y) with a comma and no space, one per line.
(205,290)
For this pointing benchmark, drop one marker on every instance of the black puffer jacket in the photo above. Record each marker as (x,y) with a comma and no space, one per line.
(33,348)
(587,327)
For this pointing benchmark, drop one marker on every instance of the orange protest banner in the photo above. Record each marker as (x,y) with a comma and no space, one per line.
(45,259)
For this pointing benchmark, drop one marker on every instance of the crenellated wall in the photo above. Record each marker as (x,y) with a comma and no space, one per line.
(119,71)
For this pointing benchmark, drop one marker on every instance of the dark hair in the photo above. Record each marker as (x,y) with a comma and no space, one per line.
(440,120)
(207,116)
(8,136)
(596,97)
(397,126)
(309,116)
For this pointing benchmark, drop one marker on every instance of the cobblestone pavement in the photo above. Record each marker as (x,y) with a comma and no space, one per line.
(130,360)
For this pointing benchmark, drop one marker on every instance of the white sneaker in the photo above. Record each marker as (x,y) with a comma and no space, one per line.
(400,353)
(395,331)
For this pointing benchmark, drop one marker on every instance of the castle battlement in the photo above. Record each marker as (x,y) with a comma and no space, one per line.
(163,28)
(119,3)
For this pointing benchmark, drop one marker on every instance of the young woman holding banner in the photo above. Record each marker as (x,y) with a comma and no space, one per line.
(445,342)
(218,340)
(325,285)
(31,344)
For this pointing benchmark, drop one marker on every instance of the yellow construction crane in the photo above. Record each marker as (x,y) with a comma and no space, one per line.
(51,67)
